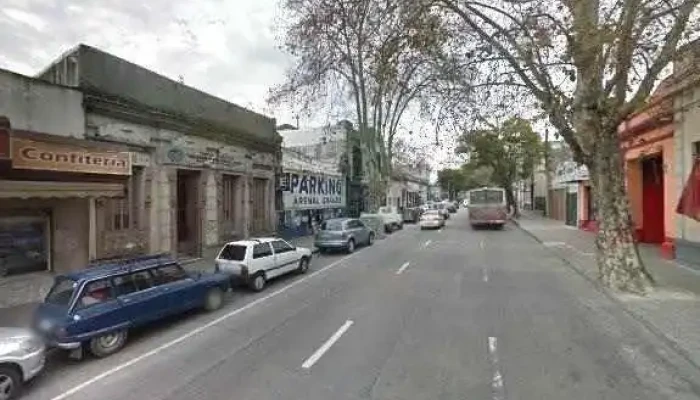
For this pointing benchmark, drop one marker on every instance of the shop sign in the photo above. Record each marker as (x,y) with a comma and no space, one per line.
(37,155)
(4,143)
(200,159)
(304,191)
(570,171)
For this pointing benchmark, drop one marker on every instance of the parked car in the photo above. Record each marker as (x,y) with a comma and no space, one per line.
(96,307)
(432,219)
(255,261)
(21,359)
(343,233)
(442,208)
(391,216)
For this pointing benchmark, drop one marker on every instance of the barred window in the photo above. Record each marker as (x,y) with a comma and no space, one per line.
(123,213)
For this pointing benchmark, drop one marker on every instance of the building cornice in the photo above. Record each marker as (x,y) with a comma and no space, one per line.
(111,106)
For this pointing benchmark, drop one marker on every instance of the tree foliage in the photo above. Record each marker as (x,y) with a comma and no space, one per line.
(511,150)
(381,55)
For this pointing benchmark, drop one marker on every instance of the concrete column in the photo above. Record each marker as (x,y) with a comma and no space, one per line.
(247,181)
(92,229)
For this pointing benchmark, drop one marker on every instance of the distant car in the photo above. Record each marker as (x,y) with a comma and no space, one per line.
(393,220)
(97,306)
(442,208)
(21,359)
(343,233)
(432,219)
(255,261)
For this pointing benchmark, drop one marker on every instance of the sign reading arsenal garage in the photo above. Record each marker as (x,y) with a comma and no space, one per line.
(304,191)
(31,154)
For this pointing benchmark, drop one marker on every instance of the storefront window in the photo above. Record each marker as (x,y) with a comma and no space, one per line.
(122,213)
(23,245)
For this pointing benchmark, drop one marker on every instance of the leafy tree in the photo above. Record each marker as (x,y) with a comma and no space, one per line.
(452,180)
(510,150)
(587,64)
(380,54)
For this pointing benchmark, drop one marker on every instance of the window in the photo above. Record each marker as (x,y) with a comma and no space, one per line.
(229,197)
(62,292)
(281,246)
(123,213)
(233,252)
(96,292)
(353,224)
(262,250)
(696,149)
(133,282)
(333,225)
(124,285)
(168,273)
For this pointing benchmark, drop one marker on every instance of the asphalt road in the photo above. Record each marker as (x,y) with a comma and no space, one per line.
(449,314)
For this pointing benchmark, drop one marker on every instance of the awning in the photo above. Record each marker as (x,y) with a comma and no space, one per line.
(49,189)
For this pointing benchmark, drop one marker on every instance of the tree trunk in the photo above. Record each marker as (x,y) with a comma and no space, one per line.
(619,264)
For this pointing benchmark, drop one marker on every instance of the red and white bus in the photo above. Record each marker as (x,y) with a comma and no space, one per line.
(488,206)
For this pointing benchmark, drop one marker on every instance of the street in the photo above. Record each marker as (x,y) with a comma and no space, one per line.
(447,314)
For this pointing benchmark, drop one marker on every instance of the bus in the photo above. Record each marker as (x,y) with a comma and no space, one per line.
(487,207)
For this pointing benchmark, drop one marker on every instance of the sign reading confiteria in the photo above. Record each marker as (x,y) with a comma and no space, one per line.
(304,191)
(37,155)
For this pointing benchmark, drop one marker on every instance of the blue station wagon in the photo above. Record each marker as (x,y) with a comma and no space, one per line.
(97,306)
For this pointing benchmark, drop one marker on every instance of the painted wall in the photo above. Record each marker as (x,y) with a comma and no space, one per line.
(35,105)
(71,230)
(634,176)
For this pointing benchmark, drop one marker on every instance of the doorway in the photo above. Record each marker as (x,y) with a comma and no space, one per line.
(653,229)
(188,213)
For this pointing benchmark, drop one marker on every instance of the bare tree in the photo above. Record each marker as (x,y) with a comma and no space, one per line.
(588,64)
(381,54)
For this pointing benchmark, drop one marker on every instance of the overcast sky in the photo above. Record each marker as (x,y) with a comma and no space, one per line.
(229,48)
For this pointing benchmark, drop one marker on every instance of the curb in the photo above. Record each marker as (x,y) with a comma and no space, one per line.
(672,344)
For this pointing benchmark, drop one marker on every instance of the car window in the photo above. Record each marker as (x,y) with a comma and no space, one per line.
(233,252)
(332,225)
(61,292)
(133,282)
(281,246)
(96,292)
(168,273)
(262,250)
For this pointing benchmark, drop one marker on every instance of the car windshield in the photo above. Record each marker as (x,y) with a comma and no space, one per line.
(384,210)
(61,292)
(333,225)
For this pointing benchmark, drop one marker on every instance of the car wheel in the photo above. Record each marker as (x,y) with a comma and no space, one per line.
(258,282)
(370,241)
(10,382)
(303,265)
(350,246)
(105,345)
(214,299)
(400,226)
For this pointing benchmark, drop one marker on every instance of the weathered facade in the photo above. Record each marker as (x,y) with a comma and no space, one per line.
(109,159)
(204,169)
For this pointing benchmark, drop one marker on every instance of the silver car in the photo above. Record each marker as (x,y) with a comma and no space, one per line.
(21,358)
(343,233)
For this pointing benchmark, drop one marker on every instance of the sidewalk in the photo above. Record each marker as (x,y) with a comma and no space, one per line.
(19,312)
(672,311)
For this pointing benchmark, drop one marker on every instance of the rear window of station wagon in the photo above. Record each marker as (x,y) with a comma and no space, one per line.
(62,292)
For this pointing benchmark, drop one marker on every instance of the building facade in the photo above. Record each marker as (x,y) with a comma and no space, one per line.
(337,147)
(312,191)
(409,185)
(108,159)
(647,144)
(686,140)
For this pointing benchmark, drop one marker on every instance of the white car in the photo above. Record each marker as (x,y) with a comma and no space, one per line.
(432,219)
(255,261)
(21,358)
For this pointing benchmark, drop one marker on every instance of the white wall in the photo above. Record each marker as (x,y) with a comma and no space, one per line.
(34,105)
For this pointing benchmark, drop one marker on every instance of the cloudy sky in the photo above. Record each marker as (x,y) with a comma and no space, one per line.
(229,48)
